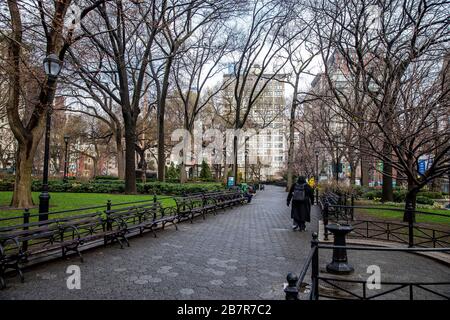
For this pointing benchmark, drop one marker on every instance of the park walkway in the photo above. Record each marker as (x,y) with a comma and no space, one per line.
(242,253)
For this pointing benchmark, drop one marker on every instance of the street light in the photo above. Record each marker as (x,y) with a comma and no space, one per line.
(246,158)
(52,68)
(337,158)
(448,206)
(317,177)
(66,158)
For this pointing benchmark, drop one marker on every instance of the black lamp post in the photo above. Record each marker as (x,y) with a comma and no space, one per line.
(246,159)
(317,177)
(52,68)
(337,159)
(448,154)
(66,158)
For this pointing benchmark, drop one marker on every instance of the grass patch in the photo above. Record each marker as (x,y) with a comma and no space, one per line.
(68,201)
(398,215)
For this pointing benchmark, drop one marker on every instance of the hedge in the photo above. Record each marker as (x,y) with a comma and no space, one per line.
(424,200)
(423,197)
(118,187)
(106,178)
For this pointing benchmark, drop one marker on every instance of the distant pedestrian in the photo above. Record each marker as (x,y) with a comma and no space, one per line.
(246,192)
(302,196)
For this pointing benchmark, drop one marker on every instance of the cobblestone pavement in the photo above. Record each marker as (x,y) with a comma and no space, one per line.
(242,253)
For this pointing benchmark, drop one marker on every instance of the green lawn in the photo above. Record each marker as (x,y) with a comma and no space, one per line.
(398,215)
(67,201)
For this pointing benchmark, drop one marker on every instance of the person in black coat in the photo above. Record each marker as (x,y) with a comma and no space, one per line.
(301,210)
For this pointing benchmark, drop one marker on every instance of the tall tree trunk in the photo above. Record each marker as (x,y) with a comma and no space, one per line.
(161,116)
(161,154)
(290,169)
(410,201)
(364,171)
(352,174)
(364,163)
(235,159)
(130,154)
(120,157)
(183,175)
(387,192)
(22,186)
(436,185)
(95,165)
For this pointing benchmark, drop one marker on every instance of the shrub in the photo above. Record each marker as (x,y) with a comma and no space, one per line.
(107,181)
(118,186)
(205,172)
(176,188)
(372,194)
(6,185)
(106,178)
(173,172)
(430,194)
(400,195)
(424,200)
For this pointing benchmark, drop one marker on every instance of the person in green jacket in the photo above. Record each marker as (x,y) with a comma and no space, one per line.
(244,188)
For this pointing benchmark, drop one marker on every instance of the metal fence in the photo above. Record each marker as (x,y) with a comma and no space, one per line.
(410,233)
(435,289)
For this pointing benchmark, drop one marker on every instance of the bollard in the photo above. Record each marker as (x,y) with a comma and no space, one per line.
(26,220)
(291,290)
(154,197)
(339,264)
(315,268)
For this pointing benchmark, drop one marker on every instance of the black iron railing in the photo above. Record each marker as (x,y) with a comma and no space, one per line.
(410,233)
(434,288)
(28,217)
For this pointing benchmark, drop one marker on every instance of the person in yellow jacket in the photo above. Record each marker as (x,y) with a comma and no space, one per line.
(312,182)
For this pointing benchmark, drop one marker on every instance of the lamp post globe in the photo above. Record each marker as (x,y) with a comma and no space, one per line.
(52,66)
(317,177)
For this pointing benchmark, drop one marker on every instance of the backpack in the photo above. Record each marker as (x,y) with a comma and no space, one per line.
(299,192)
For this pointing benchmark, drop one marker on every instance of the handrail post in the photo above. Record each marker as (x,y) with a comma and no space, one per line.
(352,205)
(434,238)
(26,220)
(325,221)
(315,268)
(291,290)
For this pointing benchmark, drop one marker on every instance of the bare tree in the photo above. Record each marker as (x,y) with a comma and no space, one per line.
(396,59)
(193,72)
(180,22)
(38,26)
(122,49)
(259,51)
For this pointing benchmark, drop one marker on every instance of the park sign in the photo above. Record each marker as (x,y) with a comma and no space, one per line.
(230,182)
(423,164)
